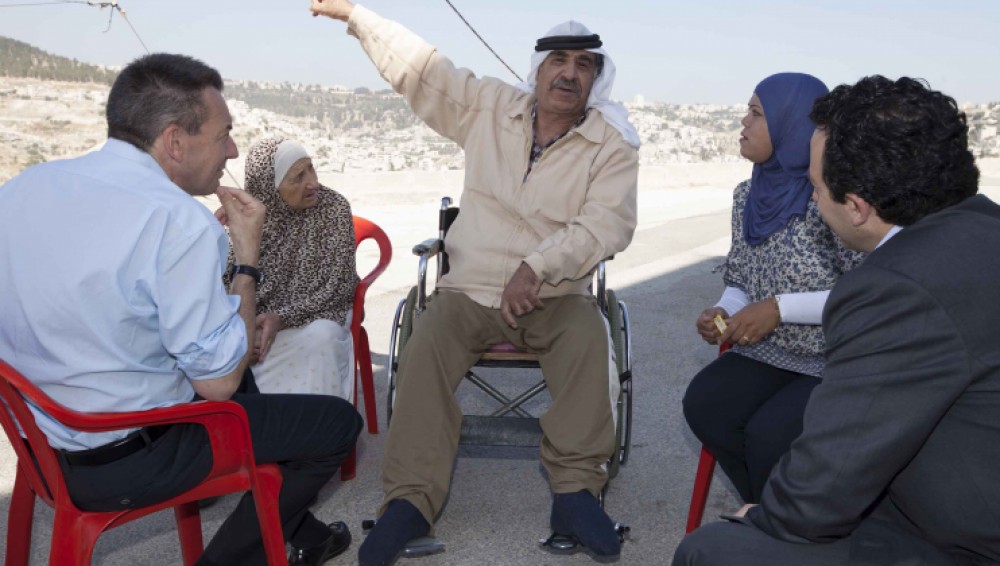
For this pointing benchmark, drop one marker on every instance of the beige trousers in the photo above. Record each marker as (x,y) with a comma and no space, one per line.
(578,431)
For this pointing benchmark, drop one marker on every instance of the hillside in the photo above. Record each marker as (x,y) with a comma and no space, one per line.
(19,59)
(52,107)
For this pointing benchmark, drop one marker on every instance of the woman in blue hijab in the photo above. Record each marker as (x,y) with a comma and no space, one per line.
(746,406)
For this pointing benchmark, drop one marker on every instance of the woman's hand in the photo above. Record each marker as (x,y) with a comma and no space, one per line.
(705,325)
(268,326)
(752,324)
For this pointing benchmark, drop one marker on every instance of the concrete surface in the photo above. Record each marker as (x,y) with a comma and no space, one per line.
(499,503)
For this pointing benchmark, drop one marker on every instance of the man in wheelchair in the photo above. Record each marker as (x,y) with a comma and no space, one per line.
(550,191)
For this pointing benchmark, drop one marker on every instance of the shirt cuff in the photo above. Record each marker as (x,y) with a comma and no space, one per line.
(802,308)
(733,300)
(217,354)
(537,263)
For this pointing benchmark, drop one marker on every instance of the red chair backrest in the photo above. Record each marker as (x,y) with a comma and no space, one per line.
(365,229)
(225,422)
(46,476)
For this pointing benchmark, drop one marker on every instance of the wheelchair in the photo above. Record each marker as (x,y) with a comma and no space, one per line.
(511,423)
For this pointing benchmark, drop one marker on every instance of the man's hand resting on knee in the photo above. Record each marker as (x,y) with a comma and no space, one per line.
(520,296)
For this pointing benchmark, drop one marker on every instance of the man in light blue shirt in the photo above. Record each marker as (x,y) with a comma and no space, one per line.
(113,301)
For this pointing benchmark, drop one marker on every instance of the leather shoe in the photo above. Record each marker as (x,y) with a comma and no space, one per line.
(340,539)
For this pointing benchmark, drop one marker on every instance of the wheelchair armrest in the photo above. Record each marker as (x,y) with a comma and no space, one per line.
(426,250)
(429,248)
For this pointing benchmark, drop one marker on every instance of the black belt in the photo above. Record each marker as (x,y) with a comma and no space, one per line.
(116,450)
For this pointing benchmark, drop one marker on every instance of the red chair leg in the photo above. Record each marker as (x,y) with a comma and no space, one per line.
(348,470)
(367,382)
(266,500)
(19,519)
(189,531)
(702,481)
(74,537)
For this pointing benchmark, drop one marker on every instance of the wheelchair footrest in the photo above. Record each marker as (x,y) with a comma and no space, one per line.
(423,546)
(420,546)
(568,544)
(500,431)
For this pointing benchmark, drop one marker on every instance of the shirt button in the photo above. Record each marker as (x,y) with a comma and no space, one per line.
(126,501)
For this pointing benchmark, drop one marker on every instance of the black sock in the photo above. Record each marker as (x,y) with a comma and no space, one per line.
(400,524)
(579,514)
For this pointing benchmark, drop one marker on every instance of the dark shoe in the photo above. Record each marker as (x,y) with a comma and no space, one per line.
(340,539)
(399,524)
(579,517)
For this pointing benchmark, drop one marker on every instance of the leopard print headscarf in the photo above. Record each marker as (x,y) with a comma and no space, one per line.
(307,256)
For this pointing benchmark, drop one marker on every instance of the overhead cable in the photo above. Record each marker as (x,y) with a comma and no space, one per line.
(483,40)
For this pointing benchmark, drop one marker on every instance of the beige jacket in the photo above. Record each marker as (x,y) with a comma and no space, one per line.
(576,207)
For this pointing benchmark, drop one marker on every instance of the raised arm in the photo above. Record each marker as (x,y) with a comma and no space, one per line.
(437,92)
(245,217)
(336,9)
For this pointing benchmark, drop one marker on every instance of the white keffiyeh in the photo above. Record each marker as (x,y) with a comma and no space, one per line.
(600,92)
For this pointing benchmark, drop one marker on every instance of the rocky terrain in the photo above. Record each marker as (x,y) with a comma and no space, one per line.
(52,107)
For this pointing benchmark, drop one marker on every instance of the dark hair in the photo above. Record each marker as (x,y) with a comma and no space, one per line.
(156,91)
(899,145)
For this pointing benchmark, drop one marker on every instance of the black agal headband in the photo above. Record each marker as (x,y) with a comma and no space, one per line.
(568,42)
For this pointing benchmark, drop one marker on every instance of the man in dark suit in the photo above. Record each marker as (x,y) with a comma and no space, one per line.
(899,457)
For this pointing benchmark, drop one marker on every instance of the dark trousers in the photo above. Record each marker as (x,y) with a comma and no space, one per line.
(874,543)
(308,436)
(747,413)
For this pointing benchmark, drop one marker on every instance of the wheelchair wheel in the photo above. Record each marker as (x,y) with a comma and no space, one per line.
(615,322)
(618,324)
(402,328)
(626,380)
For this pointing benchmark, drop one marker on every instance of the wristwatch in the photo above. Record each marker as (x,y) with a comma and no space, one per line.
(247,270)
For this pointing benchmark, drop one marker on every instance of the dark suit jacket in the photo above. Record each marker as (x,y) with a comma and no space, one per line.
(906,424)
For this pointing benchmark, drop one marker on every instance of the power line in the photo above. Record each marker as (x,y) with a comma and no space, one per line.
(129,22)
(483,40)
(113,4)
(20,5)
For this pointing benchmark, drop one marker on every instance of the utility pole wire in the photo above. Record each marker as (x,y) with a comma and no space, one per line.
(19,5)
(483,40)
(113,4)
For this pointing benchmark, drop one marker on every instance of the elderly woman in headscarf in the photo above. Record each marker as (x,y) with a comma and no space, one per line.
(305,298)
(747,406)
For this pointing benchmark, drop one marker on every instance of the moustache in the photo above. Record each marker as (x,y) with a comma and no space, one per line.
(565,83)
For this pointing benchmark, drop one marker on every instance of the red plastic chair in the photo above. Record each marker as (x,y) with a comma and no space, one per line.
(75,531)
(702,480)
(365,229)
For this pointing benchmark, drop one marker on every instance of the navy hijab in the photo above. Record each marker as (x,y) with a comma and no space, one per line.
(780,187)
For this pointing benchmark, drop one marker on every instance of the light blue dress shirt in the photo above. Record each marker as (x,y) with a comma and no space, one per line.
(111,296)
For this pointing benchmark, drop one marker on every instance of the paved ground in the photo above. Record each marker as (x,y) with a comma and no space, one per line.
(500,502)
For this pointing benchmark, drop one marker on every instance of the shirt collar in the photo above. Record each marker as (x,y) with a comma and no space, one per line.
(128,151)
(592,128)
(892,232)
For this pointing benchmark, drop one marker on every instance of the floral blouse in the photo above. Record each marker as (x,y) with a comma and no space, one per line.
(803,256)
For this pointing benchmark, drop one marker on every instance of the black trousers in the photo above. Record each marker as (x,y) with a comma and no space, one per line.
(308,436)
(874,543)
(747,413)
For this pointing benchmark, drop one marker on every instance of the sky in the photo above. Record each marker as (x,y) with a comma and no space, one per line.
(695,51)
